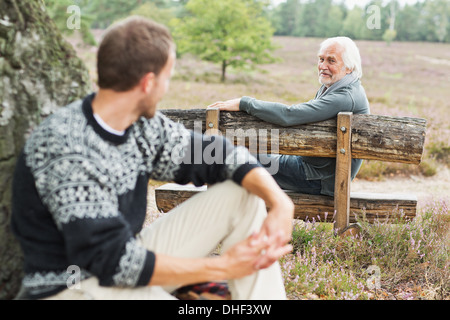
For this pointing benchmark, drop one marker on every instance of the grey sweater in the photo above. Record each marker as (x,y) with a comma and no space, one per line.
(346,95)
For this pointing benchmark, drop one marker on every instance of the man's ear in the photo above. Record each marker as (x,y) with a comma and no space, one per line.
(147,82)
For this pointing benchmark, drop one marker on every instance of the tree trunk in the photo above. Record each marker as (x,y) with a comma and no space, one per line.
(39,72)
(224,68)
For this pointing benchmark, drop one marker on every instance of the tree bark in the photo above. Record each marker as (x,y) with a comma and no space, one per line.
(39,73)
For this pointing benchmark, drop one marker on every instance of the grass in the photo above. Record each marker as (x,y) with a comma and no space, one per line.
(412,259)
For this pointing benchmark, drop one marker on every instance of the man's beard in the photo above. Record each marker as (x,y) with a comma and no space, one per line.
(325,83)
(325,80)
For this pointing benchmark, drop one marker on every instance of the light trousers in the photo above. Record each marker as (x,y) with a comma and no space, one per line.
(224,214)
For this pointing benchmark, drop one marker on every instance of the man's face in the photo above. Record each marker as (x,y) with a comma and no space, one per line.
(160,87)
(331,66)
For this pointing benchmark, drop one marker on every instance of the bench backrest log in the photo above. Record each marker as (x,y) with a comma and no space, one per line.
(374,137)
(371,137)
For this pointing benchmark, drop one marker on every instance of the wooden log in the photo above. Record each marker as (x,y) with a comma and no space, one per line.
(374,137)
(387,208)
(170,195)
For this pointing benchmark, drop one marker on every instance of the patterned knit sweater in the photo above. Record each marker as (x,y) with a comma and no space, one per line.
(80,194)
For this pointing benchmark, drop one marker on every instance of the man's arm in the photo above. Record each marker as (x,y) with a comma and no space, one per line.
(284,115)
(278,225)
(241,260)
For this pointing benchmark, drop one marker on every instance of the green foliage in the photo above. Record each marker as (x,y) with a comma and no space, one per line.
(101,14)
(108,11)
(408,28)
(354,23)
(427,20)
(389,35)
(151,11)
(439,150)
(233,33)
(437,13)
(285,18)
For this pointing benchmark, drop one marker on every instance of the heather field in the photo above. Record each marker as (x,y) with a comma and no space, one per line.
(409,260)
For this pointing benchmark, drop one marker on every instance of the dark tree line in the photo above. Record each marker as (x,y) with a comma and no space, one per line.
(427,20)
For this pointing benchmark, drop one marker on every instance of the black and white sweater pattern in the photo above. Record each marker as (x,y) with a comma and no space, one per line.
(80,194)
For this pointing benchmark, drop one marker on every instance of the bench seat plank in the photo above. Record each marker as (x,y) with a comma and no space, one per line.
(375,206)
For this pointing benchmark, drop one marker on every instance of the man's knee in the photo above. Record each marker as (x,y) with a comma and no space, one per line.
(235,194)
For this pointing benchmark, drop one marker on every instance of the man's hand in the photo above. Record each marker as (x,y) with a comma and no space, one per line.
(229,105)
(242,259)
(254,253)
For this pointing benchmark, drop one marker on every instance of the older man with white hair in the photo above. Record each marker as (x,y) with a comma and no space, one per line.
(340,72)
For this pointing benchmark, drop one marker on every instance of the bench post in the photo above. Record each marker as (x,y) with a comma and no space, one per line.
(343,171)
(212,121)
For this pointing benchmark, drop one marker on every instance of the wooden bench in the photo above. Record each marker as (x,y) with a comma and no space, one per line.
(371,137)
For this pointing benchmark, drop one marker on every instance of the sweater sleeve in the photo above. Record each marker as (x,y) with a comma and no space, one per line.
(185,156)
(312,111)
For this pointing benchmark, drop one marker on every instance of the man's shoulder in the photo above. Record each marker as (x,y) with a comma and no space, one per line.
(62,116)
(352,97)
(52,134)
(352,89)
(359,95)
(63,119)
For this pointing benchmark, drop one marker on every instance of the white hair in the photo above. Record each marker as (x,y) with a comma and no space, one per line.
(350,55)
